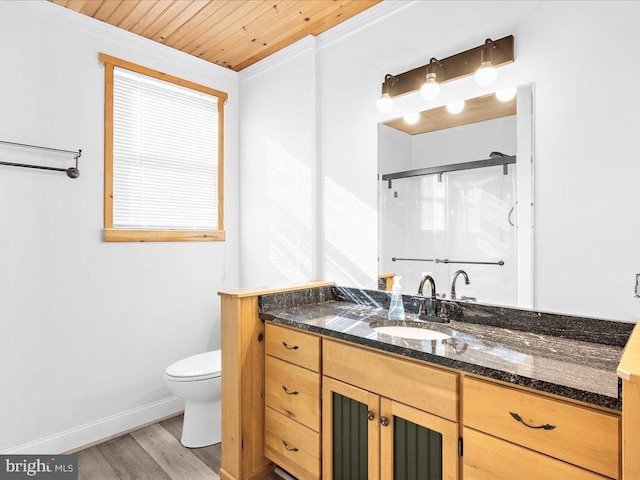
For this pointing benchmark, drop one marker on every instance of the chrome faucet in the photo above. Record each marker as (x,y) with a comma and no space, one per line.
(453,282)
(422,312)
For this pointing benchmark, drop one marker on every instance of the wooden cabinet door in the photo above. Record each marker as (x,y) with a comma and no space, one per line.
(416,445)
(350,432)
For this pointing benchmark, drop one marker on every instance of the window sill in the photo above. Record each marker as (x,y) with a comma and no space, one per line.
(113,235)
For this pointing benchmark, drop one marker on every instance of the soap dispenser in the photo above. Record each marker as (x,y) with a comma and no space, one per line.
(396,308)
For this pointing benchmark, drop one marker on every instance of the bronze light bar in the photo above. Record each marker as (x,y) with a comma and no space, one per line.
(451,68)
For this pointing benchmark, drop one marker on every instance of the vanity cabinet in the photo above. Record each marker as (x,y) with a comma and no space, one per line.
(573,435)
(383,417)
(336,410)
(292,401)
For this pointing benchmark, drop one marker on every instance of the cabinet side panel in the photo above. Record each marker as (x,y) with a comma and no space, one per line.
(630,430)
(231,376)
(252,401)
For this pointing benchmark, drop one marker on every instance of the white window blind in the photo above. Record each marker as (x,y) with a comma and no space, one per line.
(165,155)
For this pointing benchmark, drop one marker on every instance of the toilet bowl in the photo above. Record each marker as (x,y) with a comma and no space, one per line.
(197,380)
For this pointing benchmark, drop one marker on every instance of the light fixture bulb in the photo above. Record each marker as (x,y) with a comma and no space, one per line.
(506,94)
(384,103)
(412,118)
(486,74)
(430,89)
(455,107)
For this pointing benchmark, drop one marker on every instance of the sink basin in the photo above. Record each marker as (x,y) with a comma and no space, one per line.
(413,333)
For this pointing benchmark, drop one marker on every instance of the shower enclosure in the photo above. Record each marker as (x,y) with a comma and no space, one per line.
(453,217)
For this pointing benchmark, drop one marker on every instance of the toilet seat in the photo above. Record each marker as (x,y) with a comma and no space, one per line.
(202,366)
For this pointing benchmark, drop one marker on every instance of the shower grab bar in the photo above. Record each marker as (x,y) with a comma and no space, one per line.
(446,260)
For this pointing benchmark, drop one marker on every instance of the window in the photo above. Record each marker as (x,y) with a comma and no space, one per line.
(163,157)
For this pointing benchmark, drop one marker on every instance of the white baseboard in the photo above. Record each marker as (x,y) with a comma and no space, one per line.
(101,430)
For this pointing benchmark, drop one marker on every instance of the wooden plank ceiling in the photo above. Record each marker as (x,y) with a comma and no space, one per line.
(230,33)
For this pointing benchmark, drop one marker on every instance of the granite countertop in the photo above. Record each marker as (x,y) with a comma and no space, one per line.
(545,359)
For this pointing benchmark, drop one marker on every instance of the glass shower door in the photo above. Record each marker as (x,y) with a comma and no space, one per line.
(442,223)
(482,228)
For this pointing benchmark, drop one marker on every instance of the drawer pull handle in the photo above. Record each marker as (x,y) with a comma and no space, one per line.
(518,418)
(370,415)
(289,347)
(288,448)
(384,421)
(286,390)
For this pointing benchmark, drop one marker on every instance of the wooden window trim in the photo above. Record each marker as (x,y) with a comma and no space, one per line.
(132,235)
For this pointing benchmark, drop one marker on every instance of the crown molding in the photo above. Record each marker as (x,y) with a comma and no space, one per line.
(307,44)
(52,12)
(363,20)
(340,31)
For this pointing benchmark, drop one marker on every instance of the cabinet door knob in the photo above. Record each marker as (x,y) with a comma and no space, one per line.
(286,390)
(288,448)
(384,421)
(289,347)
(370,416)
(518,418)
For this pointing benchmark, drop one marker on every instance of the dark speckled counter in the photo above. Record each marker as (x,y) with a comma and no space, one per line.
(573,357)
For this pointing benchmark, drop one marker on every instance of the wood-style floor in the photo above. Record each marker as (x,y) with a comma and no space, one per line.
(152,453)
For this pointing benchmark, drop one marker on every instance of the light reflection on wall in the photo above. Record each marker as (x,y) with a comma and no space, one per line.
(287,249)
(290,236)
(351,237)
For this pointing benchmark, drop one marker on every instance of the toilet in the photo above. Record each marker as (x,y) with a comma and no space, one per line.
(197,380)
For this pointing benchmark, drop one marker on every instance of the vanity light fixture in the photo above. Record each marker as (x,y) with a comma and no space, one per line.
(430,88)
(385,102)
(412,118)
(506,94)
(455,107)
(487,73)
(479,60)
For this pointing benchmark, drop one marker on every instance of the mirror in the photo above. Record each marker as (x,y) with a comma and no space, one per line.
(455,193)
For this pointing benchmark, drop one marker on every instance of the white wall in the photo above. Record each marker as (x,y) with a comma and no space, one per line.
(466,143)
(278,162)
(88,327)
(585,172)
(395,150)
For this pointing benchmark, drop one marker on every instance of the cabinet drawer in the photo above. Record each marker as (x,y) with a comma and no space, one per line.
(489,458)
(293,346)
(291,445)
(421,386)
(293,391)
(580,435)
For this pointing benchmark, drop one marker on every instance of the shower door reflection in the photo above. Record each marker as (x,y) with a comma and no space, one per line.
(432,222)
